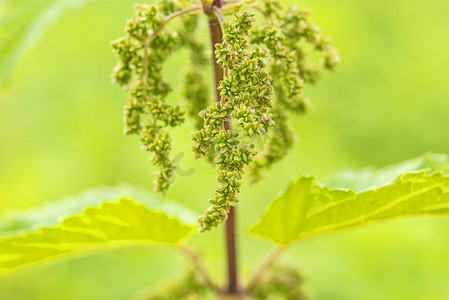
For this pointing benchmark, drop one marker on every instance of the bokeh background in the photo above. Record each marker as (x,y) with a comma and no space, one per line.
(388,101)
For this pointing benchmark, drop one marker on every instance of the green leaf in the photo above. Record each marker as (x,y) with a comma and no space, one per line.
(359,180)
(22,23)
(284,218)
(110,225)
(309,208)
(51,214)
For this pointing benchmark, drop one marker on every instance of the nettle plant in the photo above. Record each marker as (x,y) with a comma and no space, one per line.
(262,56)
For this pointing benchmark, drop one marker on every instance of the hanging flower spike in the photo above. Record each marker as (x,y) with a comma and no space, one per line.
(289,35)
(246,94)
(141,53)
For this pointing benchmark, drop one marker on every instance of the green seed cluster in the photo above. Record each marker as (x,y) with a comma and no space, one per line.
(190,287)
(287,46)
(298,53)
(280,140)
(281,282)
(141,53)
(246,97)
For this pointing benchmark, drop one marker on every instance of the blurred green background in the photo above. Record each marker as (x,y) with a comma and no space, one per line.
(61,132)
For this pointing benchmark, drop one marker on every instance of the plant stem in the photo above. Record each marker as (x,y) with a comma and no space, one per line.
(271,258)
(216,36)
(199,266)
(233,287)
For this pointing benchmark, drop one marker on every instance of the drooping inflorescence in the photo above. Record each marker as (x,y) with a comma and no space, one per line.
(194,87)
(298,53)
(265,69)
(246,94)
(141,54)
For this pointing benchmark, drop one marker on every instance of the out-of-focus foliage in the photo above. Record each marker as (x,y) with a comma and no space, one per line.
(191,287)
(106,226)
(359,180)
(61,132)
(22,23)
(308,208)
(281,282)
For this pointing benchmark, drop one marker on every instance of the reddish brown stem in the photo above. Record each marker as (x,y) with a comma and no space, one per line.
(216,37)
(233,287)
